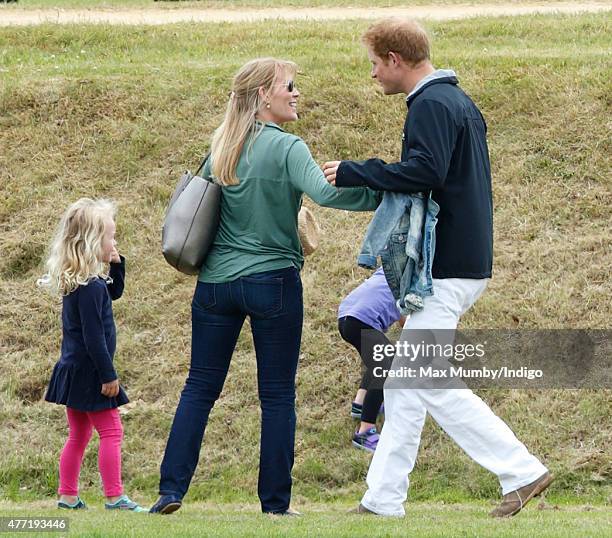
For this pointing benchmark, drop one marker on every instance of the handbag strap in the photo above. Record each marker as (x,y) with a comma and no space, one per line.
(202,165)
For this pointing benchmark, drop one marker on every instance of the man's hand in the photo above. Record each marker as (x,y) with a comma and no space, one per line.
(330,168)
(111,389)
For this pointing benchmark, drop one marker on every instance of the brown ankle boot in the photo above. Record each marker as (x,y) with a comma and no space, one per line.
(513,502)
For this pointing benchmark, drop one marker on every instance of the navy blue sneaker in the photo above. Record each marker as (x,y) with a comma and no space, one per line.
(290,512)
(166,504)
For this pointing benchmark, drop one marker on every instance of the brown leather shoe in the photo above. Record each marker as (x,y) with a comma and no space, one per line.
(361,510)
(513,502)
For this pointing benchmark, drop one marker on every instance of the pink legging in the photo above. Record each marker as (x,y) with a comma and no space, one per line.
(81,424)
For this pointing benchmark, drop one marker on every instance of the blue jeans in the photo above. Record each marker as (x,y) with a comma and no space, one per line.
(273,301)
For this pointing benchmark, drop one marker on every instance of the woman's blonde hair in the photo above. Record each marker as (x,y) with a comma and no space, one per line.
(239,122)
(75,254)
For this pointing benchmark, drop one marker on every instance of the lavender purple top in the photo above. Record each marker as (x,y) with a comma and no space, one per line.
(371,303)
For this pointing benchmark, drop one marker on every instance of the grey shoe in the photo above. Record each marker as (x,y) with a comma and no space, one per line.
(290,512)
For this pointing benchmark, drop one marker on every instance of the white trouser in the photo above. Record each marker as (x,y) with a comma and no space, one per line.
(462,415)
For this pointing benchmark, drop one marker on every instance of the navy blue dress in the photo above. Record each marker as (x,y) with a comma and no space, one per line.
(88,345)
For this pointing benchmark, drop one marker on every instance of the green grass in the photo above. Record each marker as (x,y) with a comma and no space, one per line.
(120,112)
(423,520)
(248,3)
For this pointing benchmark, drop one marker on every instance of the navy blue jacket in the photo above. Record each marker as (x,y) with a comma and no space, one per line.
(88,345)
(444,150)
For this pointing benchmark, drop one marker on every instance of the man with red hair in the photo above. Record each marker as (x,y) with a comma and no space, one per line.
(445,155)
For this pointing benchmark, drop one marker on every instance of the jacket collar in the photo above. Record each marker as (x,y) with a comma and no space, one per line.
(441,76)
(270,124)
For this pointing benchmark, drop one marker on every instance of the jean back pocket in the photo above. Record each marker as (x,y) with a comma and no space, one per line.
(262,297)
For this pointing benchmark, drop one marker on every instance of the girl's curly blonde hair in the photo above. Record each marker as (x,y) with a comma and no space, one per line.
(76,250)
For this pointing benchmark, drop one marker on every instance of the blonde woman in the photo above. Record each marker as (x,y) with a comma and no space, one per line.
(84,379)
(253,269)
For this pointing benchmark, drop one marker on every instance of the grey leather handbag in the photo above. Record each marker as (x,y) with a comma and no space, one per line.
(191,221)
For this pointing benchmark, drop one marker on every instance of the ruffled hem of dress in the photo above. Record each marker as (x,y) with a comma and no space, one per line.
(62,384)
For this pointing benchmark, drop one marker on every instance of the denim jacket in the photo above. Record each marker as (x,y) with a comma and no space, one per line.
(402,233)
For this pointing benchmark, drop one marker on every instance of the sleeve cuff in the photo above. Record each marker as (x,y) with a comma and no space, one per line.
(343,178)
(107,376)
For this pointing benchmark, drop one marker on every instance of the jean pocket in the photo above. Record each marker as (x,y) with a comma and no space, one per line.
(262,297)
(396,249)
(204,297)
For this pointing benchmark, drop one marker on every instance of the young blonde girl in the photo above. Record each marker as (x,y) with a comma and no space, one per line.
(84,379)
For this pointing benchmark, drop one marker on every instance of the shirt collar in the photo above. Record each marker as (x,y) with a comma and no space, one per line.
(270,124)
(438,73)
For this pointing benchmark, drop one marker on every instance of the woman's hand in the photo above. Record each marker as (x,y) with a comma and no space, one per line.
(330,168)
(111,389)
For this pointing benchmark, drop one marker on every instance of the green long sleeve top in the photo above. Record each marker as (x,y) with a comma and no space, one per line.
(258,227)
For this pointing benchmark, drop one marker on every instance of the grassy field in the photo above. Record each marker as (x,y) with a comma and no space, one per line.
(250,3)
(423,520)
(120,112)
